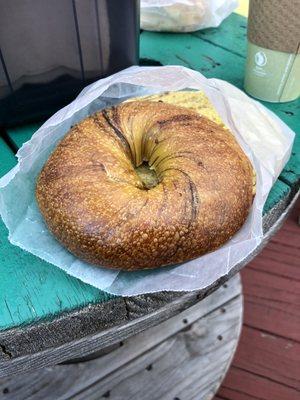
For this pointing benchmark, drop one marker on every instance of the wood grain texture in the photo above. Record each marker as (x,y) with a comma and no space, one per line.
(267,362)
(277,299)
(277,259)
(279,192)
(13,359)
(184,357)
(32,290)
(246,386)
(48,344)
(276,358)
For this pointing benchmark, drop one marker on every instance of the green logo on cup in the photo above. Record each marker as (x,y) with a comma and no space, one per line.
(260,59)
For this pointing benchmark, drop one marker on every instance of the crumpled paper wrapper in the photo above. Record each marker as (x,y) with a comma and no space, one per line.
(264,137)
(184,15)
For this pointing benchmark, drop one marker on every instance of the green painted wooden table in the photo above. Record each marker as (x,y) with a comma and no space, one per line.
(32,292)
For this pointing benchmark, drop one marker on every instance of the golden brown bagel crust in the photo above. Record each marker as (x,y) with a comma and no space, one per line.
(95,204)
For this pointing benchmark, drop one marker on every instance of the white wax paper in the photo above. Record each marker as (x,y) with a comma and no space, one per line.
(265,139)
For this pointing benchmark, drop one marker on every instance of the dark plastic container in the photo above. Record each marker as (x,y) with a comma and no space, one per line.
(50,50)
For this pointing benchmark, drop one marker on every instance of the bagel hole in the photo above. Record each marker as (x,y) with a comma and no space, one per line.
(147,175)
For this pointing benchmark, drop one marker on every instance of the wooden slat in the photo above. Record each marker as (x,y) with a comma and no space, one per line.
(270,356)
(184,357)
(267,363)
(32,289)
(279,190)
(22,134)
(277,258)
(282,266)
(42,353)
(244,385)
(278,250)
(282,254)
(191,51)
(272,305)
(288,239)
(7,158)
(231,35)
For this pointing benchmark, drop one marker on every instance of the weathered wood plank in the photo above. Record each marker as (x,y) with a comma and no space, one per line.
(31,288)
(185,357)
(277,258)
(278,248)
(15,344)
(272,300)
(171,369)
(270,356)
(289,239)
(234,29)
(191,51)
(264,350)
(279,190)
(279,267)
(14,362)
(243,385)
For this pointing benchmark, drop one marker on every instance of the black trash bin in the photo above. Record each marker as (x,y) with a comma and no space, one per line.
(51,49)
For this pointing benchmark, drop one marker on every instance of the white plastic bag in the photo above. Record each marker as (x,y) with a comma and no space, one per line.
(184,15)
(265,139)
